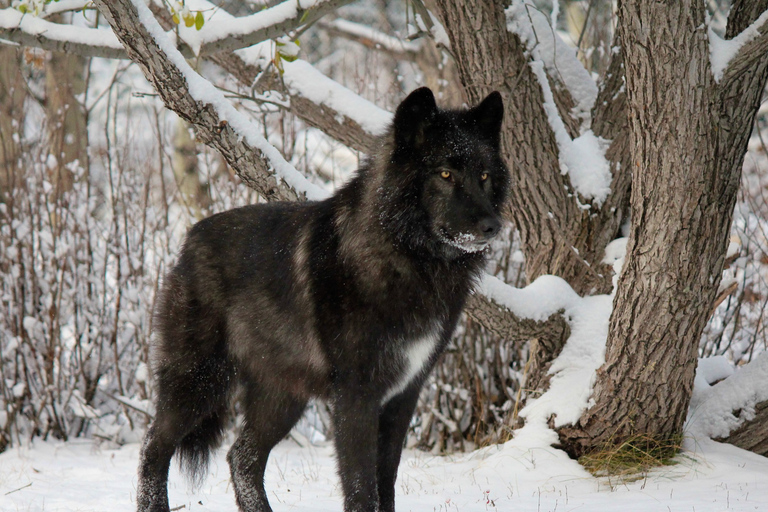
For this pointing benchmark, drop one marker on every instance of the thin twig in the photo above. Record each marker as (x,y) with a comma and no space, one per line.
(20,488)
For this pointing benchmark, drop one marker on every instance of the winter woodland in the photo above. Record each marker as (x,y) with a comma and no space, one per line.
(624,307)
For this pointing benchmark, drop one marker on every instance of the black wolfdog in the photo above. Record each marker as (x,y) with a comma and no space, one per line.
(351,299)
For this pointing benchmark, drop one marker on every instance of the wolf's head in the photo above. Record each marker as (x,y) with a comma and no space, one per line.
(445,181)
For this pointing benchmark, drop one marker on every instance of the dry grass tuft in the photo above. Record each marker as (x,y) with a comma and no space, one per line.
(631,459)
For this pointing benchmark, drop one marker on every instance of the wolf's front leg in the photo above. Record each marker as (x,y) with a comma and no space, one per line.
(394,419)
(355,422)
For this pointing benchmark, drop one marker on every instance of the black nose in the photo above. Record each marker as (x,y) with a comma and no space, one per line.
(489,227)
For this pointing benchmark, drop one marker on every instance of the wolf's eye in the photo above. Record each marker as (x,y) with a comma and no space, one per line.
(445,175)
(484,176)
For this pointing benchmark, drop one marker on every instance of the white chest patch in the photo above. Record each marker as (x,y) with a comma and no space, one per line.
(414,359)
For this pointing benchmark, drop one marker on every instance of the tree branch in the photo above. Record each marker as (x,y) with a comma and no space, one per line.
(371,38)
(356,128)
(609,121)
(504,323)
(28,30)
(347,127)
(262,25)
(753,43)
(216,122)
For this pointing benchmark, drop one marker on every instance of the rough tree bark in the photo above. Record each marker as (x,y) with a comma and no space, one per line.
(688,137)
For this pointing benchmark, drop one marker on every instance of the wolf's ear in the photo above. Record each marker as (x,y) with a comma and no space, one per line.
(487,117)
(413,116)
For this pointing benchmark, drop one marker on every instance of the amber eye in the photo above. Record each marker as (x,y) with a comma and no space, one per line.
(445,175)
(484,176)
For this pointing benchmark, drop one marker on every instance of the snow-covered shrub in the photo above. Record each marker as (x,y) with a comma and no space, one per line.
(80,264)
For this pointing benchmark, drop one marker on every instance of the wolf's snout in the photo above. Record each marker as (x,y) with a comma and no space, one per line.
(489,227)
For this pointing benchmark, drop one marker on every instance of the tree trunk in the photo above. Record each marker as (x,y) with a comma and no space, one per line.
(12,96)
(67,129)
(684,185)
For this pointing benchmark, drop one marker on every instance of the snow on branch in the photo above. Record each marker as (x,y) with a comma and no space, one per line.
(196,100)
(573,371)
(560,61)
(356,124)
(730,58)
(306,84)
(29,30)
(305,81)
(226,33)
(582,158)
(60,6)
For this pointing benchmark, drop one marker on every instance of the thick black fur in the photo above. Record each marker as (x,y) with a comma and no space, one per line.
(351,299)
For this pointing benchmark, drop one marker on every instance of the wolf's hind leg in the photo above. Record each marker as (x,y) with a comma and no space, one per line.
(156,454)
(269,417)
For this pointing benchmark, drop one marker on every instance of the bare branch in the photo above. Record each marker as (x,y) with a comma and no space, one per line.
(742,14)
(371,38)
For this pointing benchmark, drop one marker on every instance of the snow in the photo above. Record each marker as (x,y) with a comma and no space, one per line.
(535,30)
(538,301)
(202,90)
(524,474)
(615,250)
(220,27)
(582,158)
(574,370)
(712,406)
(303,79)
(10,18)
(722,51)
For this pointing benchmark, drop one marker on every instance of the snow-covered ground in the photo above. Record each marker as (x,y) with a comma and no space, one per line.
(522,475)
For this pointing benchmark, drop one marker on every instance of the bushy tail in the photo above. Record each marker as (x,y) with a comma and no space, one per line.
(194,375)
(194,451)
